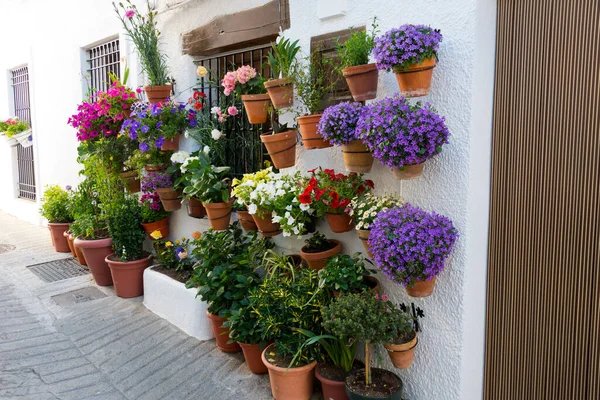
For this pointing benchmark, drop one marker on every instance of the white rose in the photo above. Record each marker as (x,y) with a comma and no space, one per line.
(216,134)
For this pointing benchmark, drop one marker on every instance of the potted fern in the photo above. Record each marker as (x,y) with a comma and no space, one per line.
(282,61)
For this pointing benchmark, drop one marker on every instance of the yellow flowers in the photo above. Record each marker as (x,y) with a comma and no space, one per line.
(156,235)
(267,163)
(111,158)
(201,71)
(169,244)
(177,241)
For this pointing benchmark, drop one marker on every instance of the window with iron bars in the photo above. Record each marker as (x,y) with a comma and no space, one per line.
(244,151)
(103,59)
(25,164)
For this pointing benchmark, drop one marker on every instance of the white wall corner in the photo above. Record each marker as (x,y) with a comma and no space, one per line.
(327,9)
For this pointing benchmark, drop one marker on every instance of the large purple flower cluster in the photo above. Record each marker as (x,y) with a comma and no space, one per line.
(338,123)
(156,180)
(398,48)
(401,134)
(409,244)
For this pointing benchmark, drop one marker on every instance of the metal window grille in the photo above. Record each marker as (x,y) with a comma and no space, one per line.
(244,150)
(20,85)
(103,59)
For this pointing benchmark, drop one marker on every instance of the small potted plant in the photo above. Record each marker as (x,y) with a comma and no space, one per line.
(354,53)
(347,274)
(244,217)
(403,136)
(129,260)
(362,317)
(162,183)
(319,249)
(338,125)
(195,207)
(401,349)
(153,215)
(249,86)
(364,209)
(242,191)
(282,61)
(281,144)
(143,32)
(293,217)
(56,208)
(410,246)
(312,82)
(16,131)
(411,52)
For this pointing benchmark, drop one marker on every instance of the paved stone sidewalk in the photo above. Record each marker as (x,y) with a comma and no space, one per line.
(110,348)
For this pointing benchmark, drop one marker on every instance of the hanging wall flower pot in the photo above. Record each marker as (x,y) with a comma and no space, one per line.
(416,80)
(339,223)
(219,214)
(162,226)
(222,334)
(154,167)
(95,252)
(289,383)
(246,221)
(171,144)
(196,209)
(131,180)
(363,235)
(282,148)
(318,261)
(308,129)
(409,172)
(128,276)
(421,288)
(170,198)
(252,355)
(402,355)
(257,107)
(362,81)
(266,227)
(59,241)
(281,92)
(157,94)
(357,157)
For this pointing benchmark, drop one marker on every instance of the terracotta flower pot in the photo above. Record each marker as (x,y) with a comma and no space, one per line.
(95,253)
(222,334)
(219,214)
(247,221)
(128,276)
(266,227)
(78,252)
(281,92)
(392,383)
(409,172)
(290,384)
(357,157)
(340,223)
(155,167)
(67,235)
(252,354)
(308,129)
(363,235)
(362,81)
(282,148)
(170,199)
(318,261)
(157,94)
(332,390)
(162,226)
(131,180)
(59,241)
(196,209)
(402,355)
(171,144)
(421,288)
(257,107)
(416,81)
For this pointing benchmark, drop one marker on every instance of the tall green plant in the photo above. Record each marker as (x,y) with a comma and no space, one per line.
(314,80)
(282,57)
(56,205)
(357,48)
(124,218)
(143,31)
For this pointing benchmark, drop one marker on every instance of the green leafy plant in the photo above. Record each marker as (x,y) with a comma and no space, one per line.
(317,243)
(202,180)
(13,126)
(90,222)
(345,274)
(282,57)
(357,48)
(56,204)
(244,324)
(123,219)
(143,31)
(279,264)
(313,81)
(339,354)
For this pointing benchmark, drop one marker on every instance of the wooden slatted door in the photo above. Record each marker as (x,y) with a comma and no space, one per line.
(543,312)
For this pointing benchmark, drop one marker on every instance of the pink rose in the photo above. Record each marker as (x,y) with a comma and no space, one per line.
(232,110)
(245,73)
(228,83)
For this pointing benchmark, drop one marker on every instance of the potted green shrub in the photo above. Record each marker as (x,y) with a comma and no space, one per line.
(143,32)
(129,260)
(363,317)
(282,61)
(401,348)
(354,53)
(318,249)
(56,208)
(347,274)
(154,218)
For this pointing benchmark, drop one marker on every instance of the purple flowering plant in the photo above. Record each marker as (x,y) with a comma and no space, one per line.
(151,209)
(399,48)
(410,244)
(156,180)
(400,134)
(338,123)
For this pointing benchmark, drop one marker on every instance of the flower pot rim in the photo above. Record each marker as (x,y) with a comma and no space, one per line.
(305,119)
(159,87)
(277,137)
(288,371)
(326,380)
(278,82)
(359,69)
(59,224)
(215,317)
(220,204)
(155,222)
(256,97)
(428,63)
(126,264)
(400,386)
(92,243)
(402,347)
(319,256)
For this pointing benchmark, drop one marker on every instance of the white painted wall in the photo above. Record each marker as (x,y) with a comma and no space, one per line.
(449,360)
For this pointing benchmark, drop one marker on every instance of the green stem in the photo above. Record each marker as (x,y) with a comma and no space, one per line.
(368,379)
